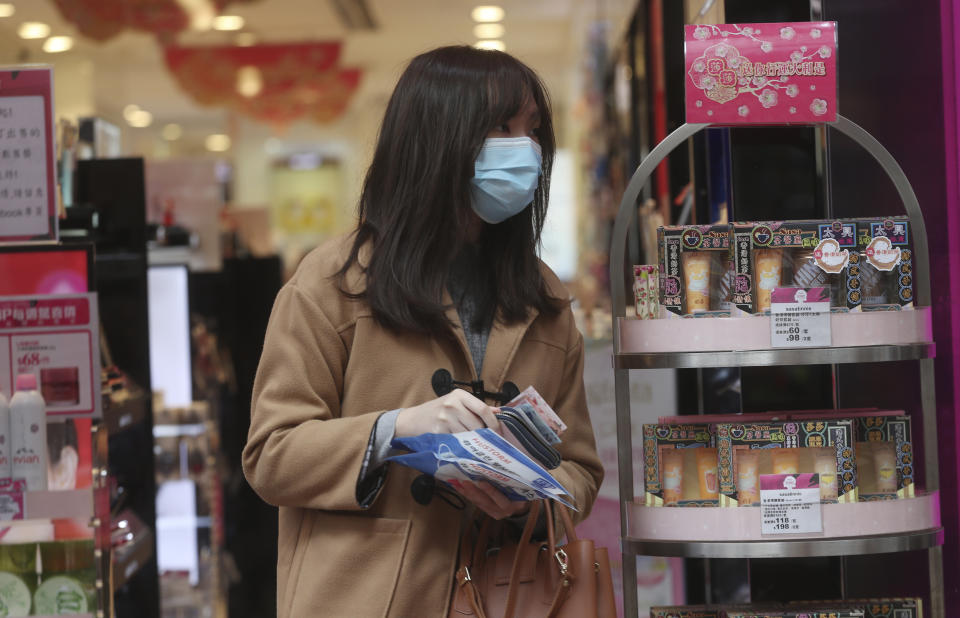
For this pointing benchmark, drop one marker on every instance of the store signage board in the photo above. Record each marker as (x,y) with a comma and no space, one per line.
(28,206)
(800,318)
(774,73)
(790,504)
(57,338)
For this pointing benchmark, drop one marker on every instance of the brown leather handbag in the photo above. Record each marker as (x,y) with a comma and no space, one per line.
(532,579)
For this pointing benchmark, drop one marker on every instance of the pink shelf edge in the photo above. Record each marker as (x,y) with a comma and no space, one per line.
(753,332)
(743,523)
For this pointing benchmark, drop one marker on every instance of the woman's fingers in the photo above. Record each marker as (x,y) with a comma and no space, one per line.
(488,499)
(486,414)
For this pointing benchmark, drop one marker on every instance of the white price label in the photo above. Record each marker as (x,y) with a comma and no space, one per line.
(23,167)
(790,504)
(800,318)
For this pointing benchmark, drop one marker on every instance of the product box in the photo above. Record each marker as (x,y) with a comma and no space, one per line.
(884,457)
(770,255)
(646,291)
(680,465)
(892,608)
(748,450)
(685,612)
(695,269)
(884,449)
(798,613)
(886,258)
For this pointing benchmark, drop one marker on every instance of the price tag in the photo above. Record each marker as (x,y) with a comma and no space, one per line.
(800,318)
(790,504)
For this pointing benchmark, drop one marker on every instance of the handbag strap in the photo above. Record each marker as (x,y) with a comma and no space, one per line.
(532,516)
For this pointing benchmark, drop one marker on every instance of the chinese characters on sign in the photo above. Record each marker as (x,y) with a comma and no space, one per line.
(790,504)
(27,204)
(761,73)
(800,318)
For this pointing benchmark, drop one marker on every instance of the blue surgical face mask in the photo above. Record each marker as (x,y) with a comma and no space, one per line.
(505,178)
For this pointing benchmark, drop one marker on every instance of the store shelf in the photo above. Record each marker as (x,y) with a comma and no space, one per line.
(742,524)
(120,416)
(860,337)
(130,557)
(787,548)
(782,356)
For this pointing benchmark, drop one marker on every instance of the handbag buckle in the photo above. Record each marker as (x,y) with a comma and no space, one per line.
(563,561)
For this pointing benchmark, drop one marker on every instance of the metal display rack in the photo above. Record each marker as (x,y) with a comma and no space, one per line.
(626,359)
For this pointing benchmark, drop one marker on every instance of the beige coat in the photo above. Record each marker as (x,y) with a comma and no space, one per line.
(327,372)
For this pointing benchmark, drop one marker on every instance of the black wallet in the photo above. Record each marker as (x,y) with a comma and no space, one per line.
(529,437)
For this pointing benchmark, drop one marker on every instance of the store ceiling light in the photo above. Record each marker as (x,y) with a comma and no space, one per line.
(57,44)
(249,81)
(491,44)
(217,142)
(7,10)
(228,22)
(200,12)
(245,39)
(172,132)
(140,118)
(489,31)
(33,30)
(487,13)
(130,110)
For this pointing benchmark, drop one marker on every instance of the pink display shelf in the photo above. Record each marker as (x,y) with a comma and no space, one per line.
(872,328)
(859,519)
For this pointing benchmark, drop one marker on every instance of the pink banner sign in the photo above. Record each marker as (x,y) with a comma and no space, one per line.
(773,73)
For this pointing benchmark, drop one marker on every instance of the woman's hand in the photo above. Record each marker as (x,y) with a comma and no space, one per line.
(456,411)
(490,500)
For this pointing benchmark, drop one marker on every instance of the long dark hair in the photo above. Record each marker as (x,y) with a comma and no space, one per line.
(415,207)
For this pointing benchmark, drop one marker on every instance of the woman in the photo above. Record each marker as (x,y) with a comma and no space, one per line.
(441,272)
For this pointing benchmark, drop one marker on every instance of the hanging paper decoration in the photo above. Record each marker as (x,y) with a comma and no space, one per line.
(101,20)
(289,81)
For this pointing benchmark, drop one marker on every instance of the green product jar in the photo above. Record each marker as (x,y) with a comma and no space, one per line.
(18,578)
(68,579)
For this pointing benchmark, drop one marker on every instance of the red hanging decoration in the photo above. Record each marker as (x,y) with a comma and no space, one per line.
(101,20)
(299,81)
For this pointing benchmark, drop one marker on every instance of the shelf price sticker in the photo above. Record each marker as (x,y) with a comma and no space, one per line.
(790,504)
(800,318)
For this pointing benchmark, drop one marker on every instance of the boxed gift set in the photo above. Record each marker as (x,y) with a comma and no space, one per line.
(885,457)
(680,465)
(803,254)
(886,263)
(646,291)
(694,269)
(864,608)
(748,450)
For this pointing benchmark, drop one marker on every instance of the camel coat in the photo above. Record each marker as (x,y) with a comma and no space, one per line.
(327,372)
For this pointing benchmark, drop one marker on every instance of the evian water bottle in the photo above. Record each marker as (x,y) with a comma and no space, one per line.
(28,433)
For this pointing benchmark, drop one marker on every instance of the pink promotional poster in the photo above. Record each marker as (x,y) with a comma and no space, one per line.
(773,73)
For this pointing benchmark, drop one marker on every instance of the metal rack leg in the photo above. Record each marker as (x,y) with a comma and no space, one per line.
(935,559)
(621,385)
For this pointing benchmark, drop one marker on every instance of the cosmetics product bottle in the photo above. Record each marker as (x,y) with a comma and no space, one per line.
(748,479)
(672,462)
(28,433)
(885,464)
(5,462)
(785,461)
(696,272)
(707,473)
(769,267)
(825,465)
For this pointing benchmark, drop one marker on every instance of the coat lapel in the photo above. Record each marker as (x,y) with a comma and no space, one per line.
(501,348)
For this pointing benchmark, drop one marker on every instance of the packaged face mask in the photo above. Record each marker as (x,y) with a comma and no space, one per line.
(506,175)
